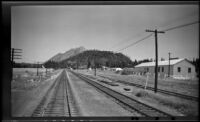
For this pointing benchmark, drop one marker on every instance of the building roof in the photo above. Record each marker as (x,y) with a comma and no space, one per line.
(160,63)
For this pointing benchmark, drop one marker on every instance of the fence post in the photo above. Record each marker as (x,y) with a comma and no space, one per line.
(146,81)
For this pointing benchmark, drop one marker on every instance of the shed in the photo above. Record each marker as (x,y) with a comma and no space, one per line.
(118,69)
(179,68)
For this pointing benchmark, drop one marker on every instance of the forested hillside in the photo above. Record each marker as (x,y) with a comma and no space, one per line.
(62,56)
(92,58)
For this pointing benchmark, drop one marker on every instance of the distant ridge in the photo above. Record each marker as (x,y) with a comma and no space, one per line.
(63,56)
(81,58)
(90,58)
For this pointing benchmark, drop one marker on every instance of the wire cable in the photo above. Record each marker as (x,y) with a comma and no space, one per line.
(179,19)
(136,42)
(180,26)
(169,29)
(165,30)
(128,39)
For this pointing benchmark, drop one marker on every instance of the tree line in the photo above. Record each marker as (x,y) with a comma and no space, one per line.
(26,65)
(95,58)
(92,59)
(195,62)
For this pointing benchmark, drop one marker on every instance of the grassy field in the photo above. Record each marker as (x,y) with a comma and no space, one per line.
(164,102)
(27,89)
(188,87)
(32,70)
(27,79)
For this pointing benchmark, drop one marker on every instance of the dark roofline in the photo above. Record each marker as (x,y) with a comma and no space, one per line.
(185,59)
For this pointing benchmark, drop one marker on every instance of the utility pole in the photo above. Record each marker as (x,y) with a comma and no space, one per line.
(12,57)
(169,65)
(95,68)
(15,56)
(46,71)
(95,73)
(156,52)
(77,65)
(37,68)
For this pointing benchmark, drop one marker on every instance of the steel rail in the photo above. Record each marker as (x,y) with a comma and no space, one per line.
(141,108)
(60,103)
(152,89)
(39,110)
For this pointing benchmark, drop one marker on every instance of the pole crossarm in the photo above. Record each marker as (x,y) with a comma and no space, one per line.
(14,54)
(155,31)
(17,52)
(17,55)
(16,49)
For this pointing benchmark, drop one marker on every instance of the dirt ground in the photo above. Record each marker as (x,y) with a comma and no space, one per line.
(188,87)
(26,93)
(93,103)
(174,105)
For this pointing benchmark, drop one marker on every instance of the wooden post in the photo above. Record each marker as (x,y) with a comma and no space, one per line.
(146,81)
(156,54)
(12,63)
(12,57)
(37,68)
(169,66)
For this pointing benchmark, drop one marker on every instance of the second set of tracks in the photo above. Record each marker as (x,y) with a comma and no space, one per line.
(152,89)
(130,103)
(59,101)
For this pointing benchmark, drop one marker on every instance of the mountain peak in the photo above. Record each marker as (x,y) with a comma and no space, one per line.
(62,56)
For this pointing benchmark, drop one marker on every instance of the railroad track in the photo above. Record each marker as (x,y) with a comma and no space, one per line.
(158,90)
(132,104)
(58,100)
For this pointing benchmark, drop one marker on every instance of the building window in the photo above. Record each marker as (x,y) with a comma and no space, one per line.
(189,70)
(179,69)
(158,69)
(147,69)
(162,69)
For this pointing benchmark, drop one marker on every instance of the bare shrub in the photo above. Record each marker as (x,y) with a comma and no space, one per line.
(141,94)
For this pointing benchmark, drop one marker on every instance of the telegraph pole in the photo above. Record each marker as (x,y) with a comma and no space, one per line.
(77,65)
(37,68)
(15,56)
(46,71)
(12,57)
(169,65)
(156,52)
(95,70)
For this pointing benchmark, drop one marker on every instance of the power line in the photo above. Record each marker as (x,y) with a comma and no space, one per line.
(128,39)
(172,28)
(188,15)
(179,19)
(180,26)
(136,42)
(169,29)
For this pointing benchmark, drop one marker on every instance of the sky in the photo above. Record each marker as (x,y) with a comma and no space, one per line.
(43,31)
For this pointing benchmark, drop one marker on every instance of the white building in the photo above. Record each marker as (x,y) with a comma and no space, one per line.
(179,68)
(116,69)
